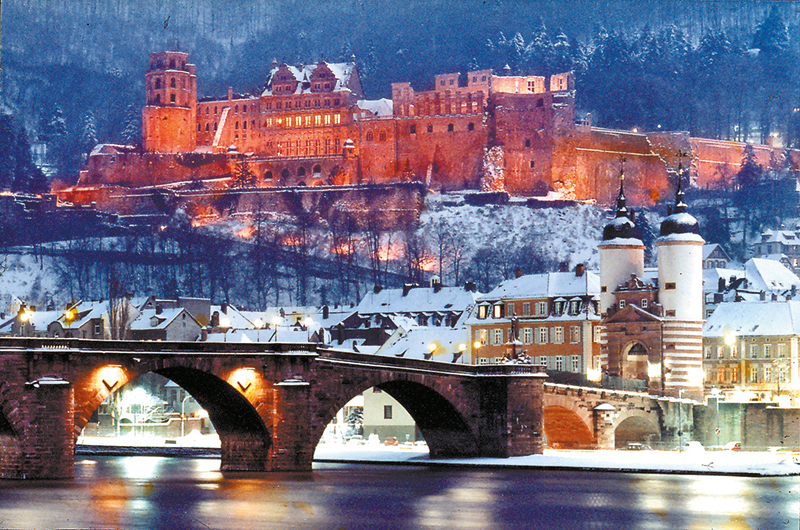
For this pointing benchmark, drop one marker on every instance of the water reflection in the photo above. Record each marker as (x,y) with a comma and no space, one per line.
(151,492)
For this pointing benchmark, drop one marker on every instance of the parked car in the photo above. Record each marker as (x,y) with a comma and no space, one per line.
(391,440)
(732,446)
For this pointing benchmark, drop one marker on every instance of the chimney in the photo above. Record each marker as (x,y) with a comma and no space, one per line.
(340,333)
(407,288)
(376,289)
(224,308)
(230,94)
(159,309)
(632,215)
(204,334)
(326,312)
(721,285)
(518,273)
(580,268)
(794,291)
(669,209)
(762,296)
(717,298)
(470,287)
(774,297)
(215,319)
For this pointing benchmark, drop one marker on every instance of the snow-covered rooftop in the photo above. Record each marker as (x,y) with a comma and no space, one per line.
(742,319)
(546,285)
(415,300)
(769,275)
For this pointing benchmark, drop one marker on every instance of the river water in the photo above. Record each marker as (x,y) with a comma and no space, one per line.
(176,493)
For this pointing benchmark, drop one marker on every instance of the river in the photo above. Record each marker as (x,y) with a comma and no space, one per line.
(176,493)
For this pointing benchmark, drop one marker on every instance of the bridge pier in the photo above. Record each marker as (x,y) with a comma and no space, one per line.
(293,447)
(45,447)
(604,426)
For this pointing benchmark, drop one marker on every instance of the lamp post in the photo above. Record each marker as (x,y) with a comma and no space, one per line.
(183,416)
(680,420)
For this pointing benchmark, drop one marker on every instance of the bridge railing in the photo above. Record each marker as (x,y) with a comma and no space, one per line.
(90,345)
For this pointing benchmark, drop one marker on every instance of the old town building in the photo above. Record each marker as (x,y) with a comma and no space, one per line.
(311,125)
(549,318)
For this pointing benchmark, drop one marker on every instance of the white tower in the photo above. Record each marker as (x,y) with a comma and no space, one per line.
(680,292)
(621,252)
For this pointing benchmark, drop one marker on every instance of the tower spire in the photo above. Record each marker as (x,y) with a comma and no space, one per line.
(680,204)
(622,209)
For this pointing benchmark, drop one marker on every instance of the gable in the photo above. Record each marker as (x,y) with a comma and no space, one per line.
(631,313)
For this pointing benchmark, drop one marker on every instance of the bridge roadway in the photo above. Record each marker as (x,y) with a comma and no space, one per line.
(269,402)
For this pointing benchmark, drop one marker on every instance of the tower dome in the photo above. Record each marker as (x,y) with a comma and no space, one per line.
(679,221)
(622,226)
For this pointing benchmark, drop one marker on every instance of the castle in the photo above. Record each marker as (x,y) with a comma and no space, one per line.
(313,126)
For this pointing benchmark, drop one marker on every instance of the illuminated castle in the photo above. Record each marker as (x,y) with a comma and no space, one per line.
(312,125)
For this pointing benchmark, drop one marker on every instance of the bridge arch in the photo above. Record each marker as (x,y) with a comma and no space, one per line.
(233,399)
(565,429)
(635,426)
(437,414)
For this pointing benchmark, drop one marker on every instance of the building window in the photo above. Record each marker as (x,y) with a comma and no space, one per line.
(734,374)
(574,307)
(708,352)
(753,351)
(541,309)
(471,126)
(532,164)
(768,351)
(576,364)
(497,336)
(526,309)
(734,352)
(369,136)
(559,363)
(498,311)
(621,304)
(382,136)
(541,360)
(575,334)
(767,373)
(644,303)
(721,375)
(670,313)
(430,128)
(481,311)
(449,127)
(413,129)
(541,335)
(669,285)
(528,142)
(754,374)
(510,310)
(781,350)
(558,335)
(527,335)
(387,412)
(172,98)
(480,336)
(720,352)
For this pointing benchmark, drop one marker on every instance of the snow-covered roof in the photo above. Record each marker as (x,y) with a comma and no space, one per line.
(415,343)
(416,300)
(83,312)
(150,319)
(545,285)
(231,317)
(302,74)
(282,334)
(711,247)
(769,275)
(743,319)
(379,107)
(711,278)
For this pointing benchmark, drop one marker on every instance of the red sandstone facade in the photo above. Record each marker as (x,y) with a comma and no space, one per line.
(312,125)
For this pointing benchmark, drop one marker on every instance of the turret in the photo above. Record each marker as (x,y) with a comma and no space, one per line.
(621,252)
(680,262)
(169,115)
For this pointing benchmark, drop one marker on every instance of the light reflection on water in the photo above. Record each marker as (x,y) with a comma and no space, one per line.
(154,492)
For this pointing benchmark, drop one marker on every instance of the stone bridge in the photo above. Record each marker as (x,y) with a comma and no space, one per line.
(269,402)
(585,417)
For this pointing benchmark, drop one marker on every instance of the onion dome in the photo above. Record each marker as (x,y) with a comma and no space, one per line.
(622,227)
(679,221)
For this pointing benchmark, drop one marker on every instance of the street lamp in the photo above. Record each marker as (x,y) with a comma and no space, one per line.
(715,393)
(183,416)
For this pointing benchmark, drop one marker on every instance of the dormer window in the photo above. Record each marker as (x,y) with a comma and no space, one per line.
(621,304)
(482,311)
(498,311)
(574,307)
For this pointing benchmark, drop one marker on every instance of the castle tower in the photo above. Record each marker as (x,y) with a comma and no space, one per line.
(680,287)
(169,115)
(621,252)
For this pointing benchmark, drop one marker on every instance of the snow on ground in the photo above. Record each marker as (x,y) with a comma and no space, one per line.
(667,462)
(30,280)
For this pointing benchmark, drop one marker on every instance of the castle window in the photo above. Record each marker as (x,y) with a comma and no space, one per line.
(558,335)
(541,335)
(215,110)
(172,98)
(413,129)
(207,110)
(236,125)
(172,64)
(297,104)
(527,335)
(215,126)
(158,83)
(306,103)
(317,169)
(441,83)
(206,127)
(301,171)
(369,136)
(337,119)
(541,309)
(471,126)
(244,124)
(574,334)
(451,81)
(483,78)
(497,336)
(158,98)
(474,78)
(532,164)
(430,128)
(252,124)
(327,119)
(316,103)
(244,108)
(670,312)
(199,127)
(268,175)
(172,82)
(449,127)
(336,101)
(327,103)
(279,105)
(236,109)
(621,304)
(184,82)
(540,102)
(528,142)
(526,309)
(382,136)
(327,86)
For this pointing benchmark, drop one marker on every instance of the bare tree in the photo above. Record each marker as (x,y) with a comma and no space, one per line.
(118,308)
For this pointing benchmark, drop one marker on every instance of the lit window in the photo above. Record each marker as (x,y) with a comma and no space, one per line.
(498,311)
(317,120)
(337,119)
(621,304)
(767,351)
(669,285)
(327,119)
(558,335)
(574,334)
(481,311)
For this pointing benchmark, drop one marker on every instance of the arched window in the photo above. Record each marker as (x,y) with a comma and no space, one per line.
(382,136)
(301,171)
(449,127)
(236,108)
(284,174)
(172,82)
(244,108)
(206,127)
(369,136)
(244,125)
(268,175)
(236,125)
(317,169)
(471,126)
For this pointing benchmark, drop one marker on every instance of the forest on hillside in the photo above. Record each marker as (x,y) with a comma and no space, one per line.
(73,72)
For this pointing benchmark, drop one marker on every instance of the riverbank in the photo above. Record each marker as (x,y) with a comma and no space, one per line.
(742,463)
